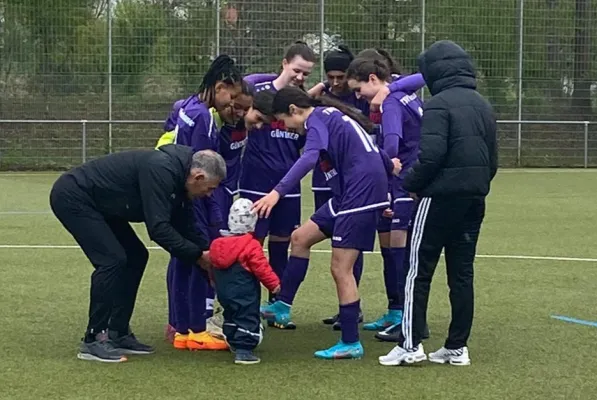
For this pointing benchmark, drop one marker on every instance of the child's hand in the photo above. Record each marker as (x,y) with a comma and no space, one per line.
(276,290)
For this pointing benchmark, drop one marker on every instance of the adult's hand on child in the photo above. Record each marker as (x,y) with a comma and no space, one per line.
(204,261)
(276,290)
(263,207)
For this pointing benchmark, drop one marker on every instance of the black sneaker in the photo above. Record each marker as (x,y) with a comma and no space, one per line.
(129,344)
(392,333)
(338,327)
(102,350)
(331,320)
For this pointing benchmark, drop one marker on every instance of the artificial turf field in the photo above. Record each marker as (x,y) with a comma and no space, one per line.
(537,258)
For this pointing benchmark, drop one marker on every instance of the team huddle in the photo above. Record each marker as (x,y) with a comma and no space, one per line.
(383,164)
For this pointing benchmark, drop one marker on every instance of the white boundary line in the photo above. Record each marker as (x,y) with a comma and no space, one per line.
(9,174)
(25,212)
(322,251)
(500,171)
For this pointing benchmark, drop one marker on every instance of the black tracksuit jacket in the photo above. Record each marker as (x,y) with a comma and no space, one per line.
(458,148)
(147,186)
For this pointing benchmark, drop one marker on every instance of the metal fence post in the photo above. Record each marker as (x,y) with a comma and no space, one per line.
(520,67)
(587,144)
(423,39)
(321,35)
(84,141)
(218,11)
(109,11)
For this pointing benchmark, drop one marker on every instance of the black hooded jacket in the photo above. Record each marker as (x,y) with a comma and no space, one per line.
(458,149)
(147,186)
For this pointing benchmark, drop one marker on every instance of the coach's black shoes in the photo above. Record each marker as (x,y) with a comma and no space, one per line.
(101,349)
(128,344)
(392,334)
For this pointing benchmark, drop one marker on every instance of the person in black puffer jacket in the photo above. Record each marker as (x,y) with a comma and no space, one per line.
(456,164)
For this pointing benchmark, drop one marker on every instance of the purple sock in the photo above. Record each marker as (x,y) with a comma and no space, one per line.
(390,277)
(357,270)
(197,294)
(278,256)
(293,277)
(399,255)
(181,274)
(169,283)
(349,317)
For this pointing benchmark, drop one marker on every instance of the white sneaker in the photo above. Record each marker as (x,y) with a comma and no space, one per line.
(398,355)
(458,357)
(214,325)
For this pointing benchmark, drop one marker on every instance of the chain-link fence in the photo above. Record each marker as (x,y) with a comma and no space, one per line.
(123,60)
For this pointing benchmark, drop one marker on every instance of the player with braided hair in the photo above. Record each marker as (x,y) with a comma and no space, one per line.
(196,127)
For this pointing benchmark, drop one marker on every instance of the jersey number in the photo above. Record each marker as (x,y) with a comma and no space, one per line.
(365,138)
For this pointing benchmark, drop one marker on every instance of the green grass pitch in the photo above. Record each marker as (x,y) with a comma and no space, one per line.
(518,351)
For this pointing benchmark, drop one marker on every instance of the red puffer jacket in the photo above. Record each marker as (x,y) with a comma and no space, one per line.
(246,250)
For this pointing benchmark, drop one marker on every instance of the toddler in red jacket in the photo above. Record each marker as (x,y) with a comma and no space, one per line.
(239,265)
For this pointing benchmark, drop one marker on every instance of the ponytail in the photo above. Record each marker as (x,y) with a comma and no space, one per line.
(395,67)
(292,95)
(352,112)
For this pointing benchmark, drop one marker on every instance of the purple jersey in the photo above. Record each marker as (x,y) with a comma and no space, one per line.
(408,84)
(350,161)
(195,126)
(269,154)
(254,79)
(170,123)
(401,115)
(232,142)
(318,182)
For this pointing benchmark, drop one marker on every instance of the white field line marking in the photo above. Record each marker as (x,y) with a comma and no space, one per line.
(546,171)
(322,251)
(25,212)
(501,170)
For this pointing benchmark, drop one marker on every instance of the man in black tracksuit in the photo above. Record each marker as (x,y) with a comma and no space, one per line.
(457,161)
(96,201)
